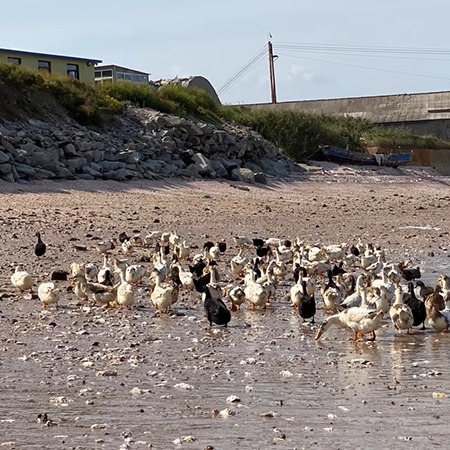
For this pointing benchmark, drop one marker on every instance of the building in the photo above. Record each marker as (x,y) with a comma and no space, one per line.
(79,68)
(113,74)
(423,113)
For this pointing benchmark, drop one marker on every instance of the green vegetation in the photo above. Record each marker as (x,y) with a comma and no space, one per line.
(298,134)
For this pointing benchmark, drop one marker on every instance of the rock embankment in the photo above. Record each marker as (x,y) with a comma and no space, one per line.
(145,144)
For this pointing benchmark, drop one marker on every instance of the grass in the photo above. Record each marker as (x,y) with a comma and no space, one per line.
(298,134)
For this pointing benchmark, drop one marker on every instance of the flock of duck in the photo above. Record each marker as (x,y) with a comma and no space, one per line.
(358,285)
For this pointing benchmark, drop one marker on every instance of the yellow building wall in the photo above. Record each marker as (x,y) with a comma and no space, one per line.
(58,65)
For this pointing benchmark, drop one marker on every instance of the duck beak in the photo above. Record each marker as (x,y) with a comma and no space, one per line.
(319,332)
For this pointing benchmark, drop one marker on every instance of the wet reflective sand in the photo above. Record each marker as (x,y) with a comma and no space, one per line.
(135,378)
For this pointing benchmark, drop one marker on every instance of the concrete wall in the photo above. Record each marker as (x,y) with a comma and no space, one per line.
(439,128)
(438,159)
(58,65)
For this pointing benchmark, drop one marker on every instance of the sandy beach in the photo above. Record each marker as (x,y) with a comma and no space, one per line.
(137,379)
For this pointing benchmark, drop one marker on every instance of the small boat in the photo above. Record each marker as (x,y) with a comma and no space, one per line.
(343,156)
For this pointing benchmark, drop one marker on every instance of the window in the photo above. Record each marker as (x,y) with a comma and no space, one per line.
(14,60)
(107,73)
(73,71)
(45,66)
(98,74)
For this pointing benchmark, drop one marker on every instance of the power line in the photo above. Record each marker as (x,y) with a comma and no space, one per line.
(243,70)
(363,48)
(370,55)
(368,68)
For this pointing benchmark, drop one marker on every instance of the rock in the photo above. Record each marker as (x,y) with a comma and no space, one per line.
(203,165)
(24,170)
(5,169)
(4,157)
(243,174)
(87,170)
(260,178)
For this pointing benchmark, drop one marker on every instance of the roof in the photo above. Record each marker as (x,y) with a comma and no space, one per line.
(376,109)
(111,66)
(48,55)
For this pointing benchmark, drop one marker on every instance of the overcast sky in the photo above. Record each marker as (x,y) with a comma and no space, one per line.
(216,39)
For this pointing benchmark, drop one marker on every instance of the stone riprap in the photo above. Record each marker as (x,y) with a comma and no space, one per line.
(144,144)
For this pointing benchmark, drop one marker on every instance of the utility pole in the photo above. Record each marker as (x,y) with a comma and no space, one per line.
(272,58)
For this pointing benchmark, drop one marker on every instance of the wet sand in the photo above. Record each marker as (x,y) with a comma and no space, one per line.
(136,379)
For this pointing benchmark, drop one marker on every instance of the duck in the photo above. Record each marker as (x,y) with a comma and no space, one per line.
(90,272)
(297,292)
(174,239)
(186,277)
(307,304)
(123,236)
(417,306)
(300,271)
(135,273)
(242,241)
(379,299)
(165,295)
(22,280)
(40,248)
(76,269)
(236,295)
(96,292)
(435,298)
(238,263)
(401,315)
(355,299)
(408,273)
(105,246)
(361,319)
(216,310)
(127,247)
(48,294)
(125,292)
(439,320)
(423,290)
(255,293)
(214,253)
(105,274)
(183,250)
(332,300)
(213,286)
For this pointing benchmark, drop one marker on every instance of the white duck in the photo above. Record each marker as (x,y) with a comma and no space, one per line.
(236,295)
(255,292)
(183,250)
(165,295)
(22,280)
(49,294)
(90,272)
(105,274)
(125,292)
(361,320)
(238,263)
(401,315)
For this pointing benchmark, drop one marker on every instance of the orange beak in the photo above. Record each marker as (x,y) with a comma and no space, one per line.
(319,333)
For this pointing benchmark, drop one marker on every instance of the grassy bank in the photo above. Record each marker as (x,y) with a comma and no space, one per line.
(298,134)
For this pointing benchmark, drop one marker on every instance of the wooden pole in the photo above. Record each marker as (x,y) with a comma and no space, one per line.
(273,89)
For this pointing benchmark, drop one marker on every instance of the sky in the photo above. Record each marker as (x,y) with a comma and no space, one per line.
(324,48)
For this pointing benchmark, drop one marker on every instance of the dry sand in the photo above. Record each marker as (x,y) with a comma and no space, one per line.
(114,379)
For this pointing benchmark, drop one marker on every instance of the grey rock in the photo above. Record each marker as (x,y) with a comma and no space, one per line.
(75,164)
(243,174)
(90,171)
(5,169)
(203,165)
(70,151)
(219,168)
(4,157)
(260,178)
(24,170)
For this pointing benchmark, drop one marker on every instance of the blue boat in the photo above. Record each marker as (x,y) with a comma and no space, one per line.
(344,156)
